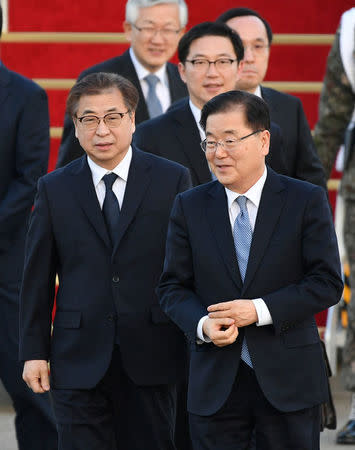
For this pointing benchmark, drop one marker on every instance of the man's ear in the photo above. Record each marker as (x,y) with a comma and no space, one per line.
(265,140)
(181,69)
(127,28)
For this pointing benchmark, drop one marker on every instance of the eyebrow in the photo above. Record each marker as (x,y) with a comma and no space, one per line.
(90,111)
(208,133)
(200,55)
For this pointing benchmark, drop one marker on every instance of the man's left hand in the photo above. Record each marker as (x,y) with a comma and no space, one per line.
(242,311)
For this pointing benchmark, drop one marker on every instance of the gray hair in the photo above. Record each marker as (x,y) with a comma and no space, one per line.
(133,7)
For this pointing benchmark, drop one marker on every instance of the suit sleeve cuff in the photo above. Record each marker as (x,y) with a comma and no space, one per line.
(201,337)
(264,316)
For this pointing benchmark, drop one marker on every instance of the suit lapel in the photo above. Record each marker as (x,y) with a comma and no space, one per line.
(218,219)
(267,96)
(138,180)
(270,207)
(83,188)
(4,84)
(187,131)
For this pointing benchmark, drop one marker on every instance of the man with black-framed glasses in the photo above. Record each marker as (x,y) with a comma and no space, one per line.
(210,55)
(100,223)
(153,29)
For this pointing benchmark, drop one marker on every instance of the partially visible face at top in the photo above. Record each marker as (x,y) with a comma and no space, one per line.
(253,34)
(106,146)
(203,83)
(155,34)
(238,169)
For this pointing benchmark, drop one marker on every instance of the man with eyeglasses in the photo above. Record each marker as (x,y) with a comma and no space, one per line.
(285,110)
(100,223)
(153,29)
(209,56)
(250,258)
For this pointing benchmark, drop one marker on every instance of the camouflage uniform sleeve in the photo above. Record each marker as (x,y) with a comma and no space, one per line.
(336,105)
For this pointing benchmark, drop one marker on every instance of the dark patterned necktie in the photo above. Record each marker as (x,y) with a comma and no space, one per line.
(111,207)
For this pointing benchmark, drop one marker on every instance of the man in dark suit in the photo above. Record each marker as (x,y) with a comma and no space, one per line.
(286,110)
(24,149)
(209,56)
(100,224)
(153,28)
(257,251)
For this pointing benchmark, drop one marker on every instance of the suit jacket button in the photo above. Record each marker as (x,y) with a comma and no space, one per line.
(115,279)
(110,317)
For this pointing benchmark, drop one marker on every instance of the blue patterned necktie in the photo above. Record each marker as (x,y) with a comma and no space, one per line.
(111,207)
(242,234)
(153,102)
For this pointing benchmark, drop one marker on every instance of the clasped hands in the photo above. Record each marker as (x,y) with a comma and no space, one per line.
(225,318)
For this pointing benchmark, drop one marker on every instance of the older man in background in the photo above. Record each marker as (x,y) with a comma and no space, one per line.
(153,29)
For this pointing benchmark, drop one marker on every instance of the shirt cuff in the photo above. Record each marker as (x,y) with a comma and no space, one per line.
(264,316)
(201,337)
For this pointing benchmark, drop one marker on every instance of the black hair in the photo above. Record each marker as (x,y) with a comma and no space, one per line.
(209,29)
(255,109)
(241,12)
(96,83)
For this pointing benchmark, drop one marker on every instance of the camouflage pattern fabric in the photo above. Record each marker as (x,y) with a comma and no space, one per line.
(336,106)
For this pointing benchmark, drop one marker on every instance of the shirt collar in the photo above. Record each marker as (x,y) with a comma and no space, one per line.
(196,112)
(120,170)
(253,194)
(258,91)
(143,72)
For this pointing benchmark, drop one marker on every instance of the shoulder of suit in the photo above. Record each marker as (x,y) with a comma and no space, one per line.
(298,187)
(109,65)
(279,96)
(164,119)
(159,163)
(23,84)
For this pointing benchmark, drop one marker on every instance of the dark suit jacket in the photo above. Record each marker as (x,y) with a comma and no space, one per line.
(101,288)
(301,155)
(24,150)
(175,136)
(70,148)
(293,265)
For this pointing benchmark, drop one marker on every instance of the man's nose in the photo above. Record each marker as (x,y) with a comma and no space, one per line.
(102,129)
(248,53)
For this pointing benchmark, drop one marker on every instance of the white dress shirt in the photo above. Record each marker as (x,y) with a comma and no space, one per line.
(119,186)
(196,112)
(162,87)
(258,91)
(253,196)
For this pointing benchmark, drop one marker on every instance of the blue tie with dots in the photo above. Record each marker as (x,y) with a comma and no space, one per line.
(153,103)
(242,234)
(111,207)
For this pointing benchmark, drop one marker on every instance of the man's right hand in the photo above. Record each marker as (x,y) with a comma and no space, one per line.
(222,332)
(36,375)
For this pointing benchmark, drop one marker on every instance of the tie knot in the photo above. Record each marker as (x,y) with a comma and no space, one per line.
(152,80)
(242,202)
(109,179)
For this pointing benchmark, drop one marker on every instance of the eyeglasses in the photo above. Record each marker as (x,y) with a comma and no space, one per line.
(210,146)
(111,120)
(202,65)
(149,32)
(257,49)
